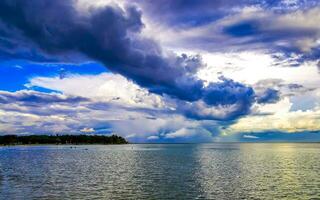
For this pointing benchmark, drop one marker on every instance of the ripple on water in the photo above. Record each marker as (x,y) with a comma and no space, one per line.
(181,171)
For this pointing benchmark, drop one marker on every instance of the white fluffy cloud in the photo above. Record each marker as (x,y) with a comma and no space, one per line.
(81,110)
(87,130)
(104,87)
(126,98)
(278,117)
(251,67)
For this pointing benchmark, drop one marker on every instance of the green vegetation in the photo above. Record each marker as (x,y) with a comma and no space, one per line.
(61,139)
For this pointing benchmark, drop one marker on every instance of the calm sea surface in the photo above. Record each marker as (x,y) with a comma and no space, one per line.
(164,171)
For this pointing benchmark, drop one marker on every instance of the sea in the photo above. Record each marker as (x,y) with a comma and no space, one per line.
(161,171)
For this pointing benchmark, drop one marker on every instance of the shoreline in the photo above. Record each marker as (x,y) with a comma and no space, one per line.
(61,140)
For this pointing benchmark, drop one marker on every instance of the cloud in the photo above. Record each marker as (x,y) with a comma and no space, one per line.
(153,137)
(87,130)
(273,136)
(153,90)
(290,122)
(54,113)
(38,104)
(37,98)
(237,26)
(13,44)
(181,133)
(250,136)
(104,87)
(188,135)
(225,99)
(111,35)
(301,97)
(294,32)
(269,96)
(178,13)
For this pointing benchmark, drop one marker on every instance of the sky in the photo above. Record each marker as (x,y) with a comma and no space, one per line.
(161,71)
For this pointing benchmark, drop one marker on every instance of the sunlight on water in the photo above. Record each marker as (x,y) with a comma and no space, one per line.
(173,171)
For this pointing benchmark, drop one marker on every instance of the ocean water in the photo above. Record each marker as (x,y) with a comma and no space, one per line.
(161,171)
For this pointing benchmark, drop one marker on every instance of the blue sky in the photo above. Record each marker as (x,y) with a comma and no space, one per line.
(161,71)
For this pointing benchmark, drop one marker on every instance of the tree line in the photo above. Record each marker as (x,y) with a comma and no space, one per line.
(61,139)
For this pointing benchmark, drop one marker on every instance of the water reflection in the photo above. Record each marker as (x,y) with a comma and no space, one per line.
(263,171)
(220,171)
(167,171)
(181,171)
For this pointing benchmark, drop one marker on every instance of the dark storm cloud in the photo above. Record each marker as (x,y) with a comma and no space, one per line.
(229,98)
(263,30)
(228,92)
(187,13)
(14,45)
(269,96)
(110,35)
(279,33)
(257,27)
(225,100)
(107,35)
(242,29)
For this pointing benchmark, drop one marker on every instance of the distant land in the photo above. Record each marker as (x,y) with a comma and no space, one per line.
(61,139)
